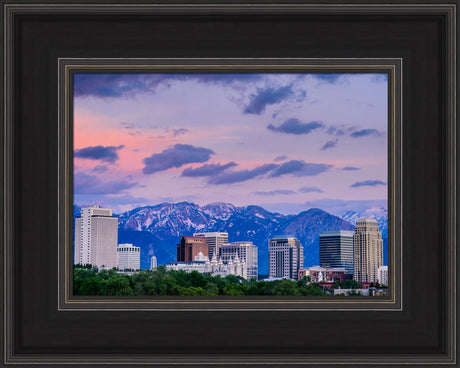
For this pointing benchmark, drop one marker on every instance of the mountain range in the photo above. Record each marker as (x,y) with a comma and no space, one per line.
(157,229)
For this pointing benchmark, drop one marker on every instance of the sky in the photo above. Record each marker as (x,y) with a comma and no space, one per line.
(286,142)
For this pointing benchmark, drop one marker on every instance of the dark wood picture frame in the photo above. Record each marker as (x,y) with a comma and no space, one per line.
(44,326)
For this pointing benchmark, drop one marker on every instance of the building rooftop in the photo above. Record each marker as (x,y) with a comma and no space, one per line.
(337,233)
(284,237)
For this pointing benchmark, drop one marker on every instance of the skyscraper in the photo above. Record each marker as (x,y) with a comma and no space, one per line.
(153,263)
(285,257)
(128,257)
(214,240)
(383,275)
(368,250)
(336,249)
(96,237)
(189,247)
(245,252)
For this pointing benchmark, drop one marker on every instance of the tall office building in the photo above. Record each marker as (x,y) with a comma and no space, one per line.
(214,240)
(285,257)
(245,252)
(96,237)
(153,263)
(368,250)
(189,247)
(383,275)
(336,249)
(128,257)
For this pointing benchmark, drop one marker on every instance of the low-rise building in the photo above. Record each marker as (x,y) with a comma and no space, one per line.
(216,267)
(128,257)
(322,274)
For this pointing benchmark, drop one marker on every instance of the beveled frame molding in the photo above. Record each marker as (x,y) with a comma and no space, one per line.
(391,67)
(10,10)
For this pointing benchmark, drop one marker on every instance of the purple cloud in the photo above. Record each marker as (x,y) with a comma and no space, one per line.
(276,192)
(118,85)
(310,190)
(350,168)
(106,154)
(113,84)
(294,126)
(330,78)
(329,145)
(242,175)
(178,131)
(377,78)
(336,130)
(176,156)
(207,170)
(90,184)
(365,132)
(369,183)
(265,97)
(100,169)
(280,158)
(300,168)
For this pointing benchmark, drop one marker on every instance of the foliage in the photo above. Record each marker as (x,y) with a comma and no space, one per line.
(87,281)
(347,284)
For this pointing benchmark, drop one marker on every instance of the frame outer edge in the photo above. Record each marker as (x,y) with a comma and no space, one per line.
(7,208)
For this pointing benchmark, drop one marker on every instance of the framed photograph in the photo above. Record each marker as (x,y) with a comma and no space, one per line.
(229,184)
(192,222)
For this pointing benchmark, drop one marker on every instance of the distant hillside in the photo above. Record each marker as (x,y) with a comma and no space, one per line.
(166,222)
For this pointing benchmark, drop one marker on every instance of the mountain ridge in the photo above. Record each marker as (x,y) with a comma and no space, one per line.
(157,229)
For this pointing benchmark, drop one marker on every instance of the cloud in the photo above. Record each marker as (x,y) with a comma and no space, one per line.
(294,126)
(119,85)
(378,78)
(226,78)
(175,156)
(369,183)
(336,130)
(265,97)
(100,169)
(106,154)
(90,184)
(310,190)
(329,145)
(128,125)
(113,84)
(330,78)
(242,175)
(177,131)
(207,170)
(300,168)
(350,168)
(365,132)
(276,192)
(280,158)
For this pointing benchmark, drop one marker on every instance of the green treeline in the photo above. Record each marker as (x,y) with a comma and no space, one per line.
(87,281)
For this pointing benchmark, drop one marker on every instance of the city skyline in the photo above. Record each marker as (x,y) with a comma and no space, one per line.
(286,142)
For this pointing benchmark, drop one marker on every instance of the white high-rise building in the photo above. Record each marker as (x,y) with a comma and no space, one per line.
(285,257)
(128,257)
(214,240)
(368,250)
(245,251)
(96,237)
(382,276)
(153,263)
